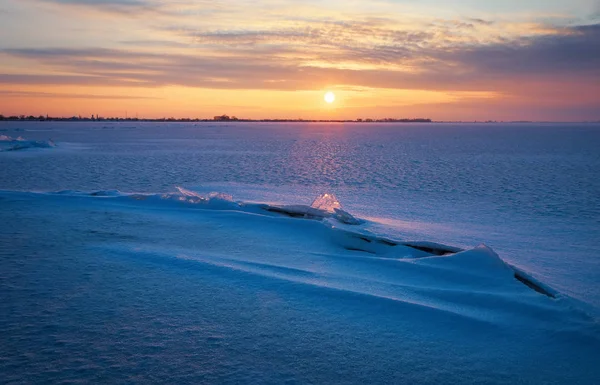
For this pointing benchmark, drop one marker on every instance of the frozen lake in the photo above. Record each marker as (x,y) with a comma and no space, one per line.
(108,273)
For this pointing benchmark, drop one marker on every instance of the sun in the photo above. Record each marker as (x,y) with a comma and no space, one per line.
(330,97)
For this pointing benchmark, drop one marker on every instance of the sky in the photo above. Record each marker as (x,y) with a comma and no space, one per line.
(438,59)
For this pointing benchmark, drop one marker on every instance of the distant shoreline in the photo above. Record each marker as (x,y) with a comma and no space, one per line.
(235,120)
(186,120)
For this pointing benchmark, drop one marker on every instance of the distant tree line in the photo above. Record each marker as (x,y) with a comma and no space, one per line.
(22,117)
(219,118)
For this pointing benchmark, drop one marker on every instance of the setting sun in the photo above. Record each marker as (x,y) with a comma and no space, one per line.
(330,97)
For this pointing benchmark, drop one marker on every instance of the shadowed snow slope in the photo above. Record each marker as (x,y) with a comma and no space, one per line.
(204,289)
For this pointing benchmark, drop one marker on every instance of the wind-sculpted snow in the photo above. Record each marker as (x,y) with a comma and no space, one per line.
(228,291)
(217,200)
(326,210)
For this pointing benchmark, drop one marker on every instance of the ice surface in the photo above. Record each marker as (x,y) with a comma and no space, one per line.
(324,206)
(213,198)
(345,217)
(5,138)
(326,202)
(123,278)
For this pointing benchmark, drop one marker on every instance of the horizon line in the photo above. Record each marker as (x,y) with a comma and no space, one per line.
(233,119)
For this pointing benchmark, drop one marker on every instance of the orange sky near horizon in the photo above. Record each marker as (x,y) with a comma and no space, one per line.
(276,59)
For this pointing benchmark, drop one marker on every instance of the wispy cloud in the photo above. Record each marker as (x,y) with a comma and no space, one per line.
(54,95)
(112,6)
(574,53)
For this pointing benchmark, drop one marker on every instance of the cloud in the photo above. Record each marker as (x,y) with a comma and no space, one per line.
(142,8)
(154,43)
(576,50)
(96,3)
(537,68)
(476,20)
(53,95)
(79,80)
(109,5)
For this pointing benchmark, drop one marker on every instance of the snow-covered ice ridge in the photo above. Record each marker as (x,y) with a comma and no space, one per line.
(343,229)
(8,143)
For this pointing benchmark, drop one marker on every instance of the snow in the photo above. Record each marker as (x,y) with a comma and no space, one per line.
(236,277)
(171,279)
